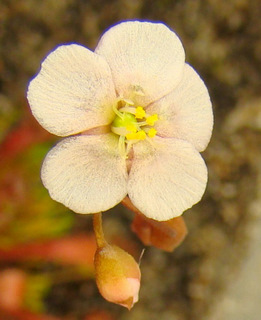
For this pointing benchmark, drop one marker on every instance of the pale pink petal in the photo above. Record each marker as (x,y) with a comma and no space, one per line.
(186,112)
(73,91)
(86,173)
(166,177)
(143,55)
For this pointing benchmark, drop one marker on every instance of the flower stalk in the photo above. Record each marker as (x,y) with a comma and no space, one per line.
(117,273)
(98,230)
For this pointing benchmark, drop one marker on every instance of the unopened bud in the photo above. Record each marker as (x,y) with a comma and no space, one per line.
(165,235)
(117,275)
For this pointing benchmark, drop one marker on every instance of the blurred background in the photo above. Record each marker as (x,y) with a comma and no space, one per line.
(46,251)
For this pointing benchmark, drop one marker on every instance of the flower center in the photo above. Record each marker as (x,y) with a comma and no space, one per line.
(132,124)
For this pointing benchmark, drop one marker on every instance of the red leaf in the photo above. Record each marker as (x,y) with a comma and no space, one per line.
(77,250)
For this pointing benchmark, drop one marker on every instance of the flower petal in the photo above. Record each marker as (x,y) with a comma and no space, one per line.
(166,178)
(186,112)
(73,91)
(86,173)
(143,56)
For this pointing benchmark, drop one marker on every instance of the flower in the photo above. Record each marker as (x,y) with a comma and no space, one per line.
(117,275)
(135,117)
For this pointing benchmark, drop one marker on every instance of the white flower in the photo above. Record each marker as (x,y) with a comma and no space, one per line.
(137,116)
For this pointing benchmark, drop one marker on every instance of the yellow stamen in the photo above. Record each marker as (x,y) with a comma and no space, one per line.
(131,136)
(140,135)
(131,124)
(152,132)
(139,113)
(152,119)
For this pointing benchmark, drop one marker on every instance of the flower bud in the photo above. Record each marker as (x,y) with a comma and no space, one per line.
(117,275)
(165,235)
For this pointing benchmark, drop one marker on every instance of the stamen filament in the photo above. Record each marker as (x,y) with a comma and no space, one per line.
(142,123)
(122,147)
(131,110)
(128,101)
(116,111)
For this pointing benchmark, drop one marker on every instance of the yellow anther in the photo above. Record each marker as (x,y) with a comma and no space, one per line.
(152,119)
(152,132)
(131,136)
(141,135)
(140,113)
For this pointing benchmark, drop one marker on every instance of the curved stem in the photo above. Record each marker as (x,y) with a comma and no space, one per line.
(98,230)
